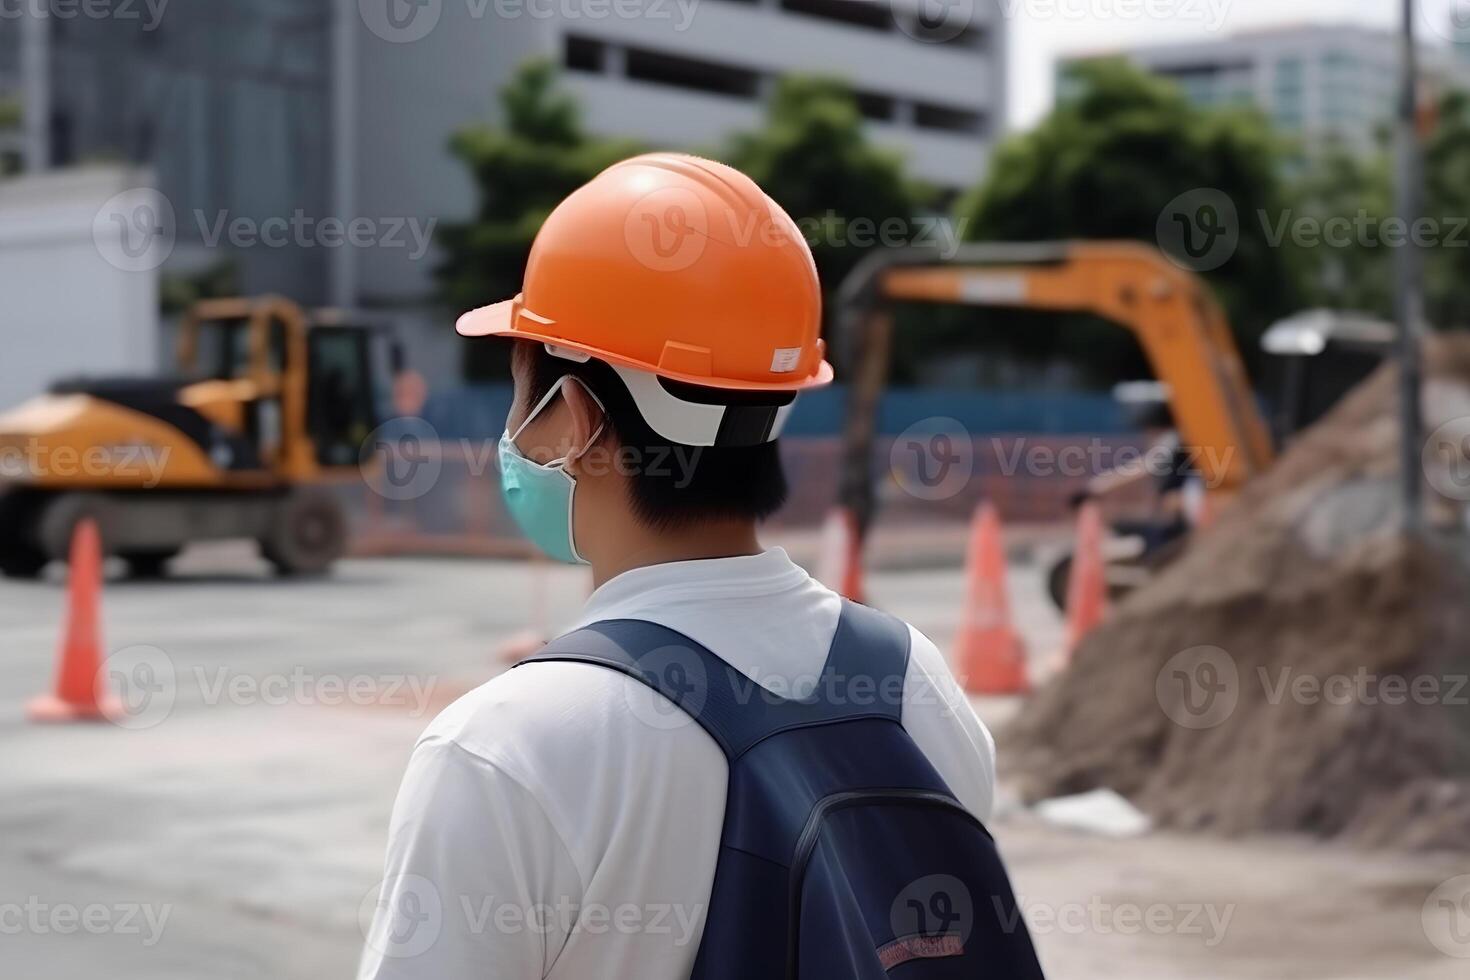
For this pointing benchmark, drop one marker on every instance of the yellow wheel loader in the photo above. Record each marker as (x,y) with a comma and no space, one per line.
(270,407)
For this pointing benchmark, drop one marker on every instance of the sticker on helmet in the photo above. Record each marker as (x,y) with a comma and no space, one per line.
(785,359)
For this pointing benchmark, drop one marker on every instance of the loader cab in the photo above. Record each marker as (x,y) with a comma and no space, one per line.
(348,364)
(301,392)
(222,350)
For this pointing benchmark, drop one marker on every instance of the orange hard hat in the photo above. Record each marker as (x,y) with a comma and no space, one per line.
(674,265)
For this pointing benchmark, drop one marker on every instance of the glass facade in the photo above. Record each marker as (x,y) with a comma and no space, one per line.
(1288,94)
(229,103)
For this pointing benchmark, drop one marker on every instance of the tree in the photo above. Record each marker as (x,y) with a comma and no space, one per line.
(523,169)
(813,158)
(1114,156)
(1447,169)
(1353,195)
(1346,195)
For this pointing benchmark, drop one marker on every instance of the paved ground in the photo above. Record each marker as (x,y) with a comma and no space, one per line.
(237,834)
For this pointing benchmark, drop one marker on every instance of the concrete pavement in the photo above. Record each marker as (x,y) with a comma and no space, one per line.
(238,832)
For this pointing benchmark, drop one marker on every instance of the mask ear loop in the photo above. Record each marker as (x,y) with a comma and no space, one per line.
(546,400)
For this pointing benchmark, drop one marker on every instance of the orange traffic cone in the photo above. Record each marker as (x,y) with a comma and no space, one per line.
(1087,587)
(80,693)
(989,655)
(840,562)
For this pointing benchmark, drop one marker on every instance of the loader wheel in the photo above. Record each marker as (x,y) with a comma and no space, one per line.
(308,533)
(21,555)
(148,564)
(21,560)
(57,520)
(1057,581)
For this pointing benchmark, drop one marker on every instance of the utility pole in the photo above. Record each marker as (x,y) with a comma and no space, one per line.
(35,88)
(342,273)
(1408,276)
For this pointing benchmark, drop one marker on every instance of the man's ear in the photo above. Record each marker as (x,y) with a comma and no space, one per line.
(586,415)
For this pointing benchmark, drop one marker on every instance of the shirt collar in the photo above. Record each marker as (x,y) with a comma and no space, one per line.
(770,571)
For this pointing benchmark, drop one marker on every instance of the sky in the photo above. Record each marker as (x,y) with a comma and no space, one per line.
(1042,30)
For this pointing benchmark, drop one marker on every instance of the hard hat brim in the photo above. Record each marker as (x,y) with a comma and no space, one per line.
(501,320)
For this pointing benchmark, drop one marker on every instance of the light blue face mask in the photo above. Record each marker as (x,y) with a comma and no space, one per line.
(540,496)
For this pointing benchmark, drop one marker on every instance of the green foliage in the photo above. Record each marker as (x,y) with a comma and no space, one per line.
(1353,265)
(1339,186)
(11,114)
(1447,179)
(813,157)
(1109,161)
(176,293)
(523,168)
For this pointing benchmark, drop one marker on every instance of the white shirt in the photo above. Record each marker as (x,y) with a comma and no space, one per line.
(563,820)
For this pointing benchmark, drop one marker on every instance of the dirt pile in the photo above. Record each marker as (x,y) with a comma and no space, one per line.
(1303,667)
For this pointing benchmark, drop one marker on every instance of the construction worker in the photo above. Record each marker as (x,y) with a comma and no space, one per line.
(576,816)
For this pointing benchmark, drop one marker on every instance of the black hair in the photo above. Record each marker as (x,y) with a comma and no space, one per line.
(671,485)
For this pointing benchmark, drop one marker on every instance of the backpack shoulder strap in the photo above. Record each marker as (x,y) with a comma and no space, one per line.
(863,675)
(867,664)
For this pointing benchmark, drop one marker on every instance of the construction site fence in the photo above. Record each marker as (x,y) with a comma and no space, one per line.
(454,505)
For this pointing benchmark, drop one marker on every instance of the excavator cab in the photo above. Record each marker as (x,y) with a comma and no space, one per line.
(268,407)
(1316,357)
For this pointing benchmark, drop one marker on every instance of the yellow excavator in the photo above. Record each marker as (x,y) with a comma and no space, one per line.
(1169,310)
(270,407)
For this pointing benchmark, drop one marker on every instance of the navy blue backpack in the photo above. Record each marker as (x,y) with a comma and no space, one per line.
(844,856)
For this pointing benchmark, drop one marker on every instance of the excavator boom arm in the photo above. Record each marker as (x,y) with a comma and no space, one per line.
(1181,328)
